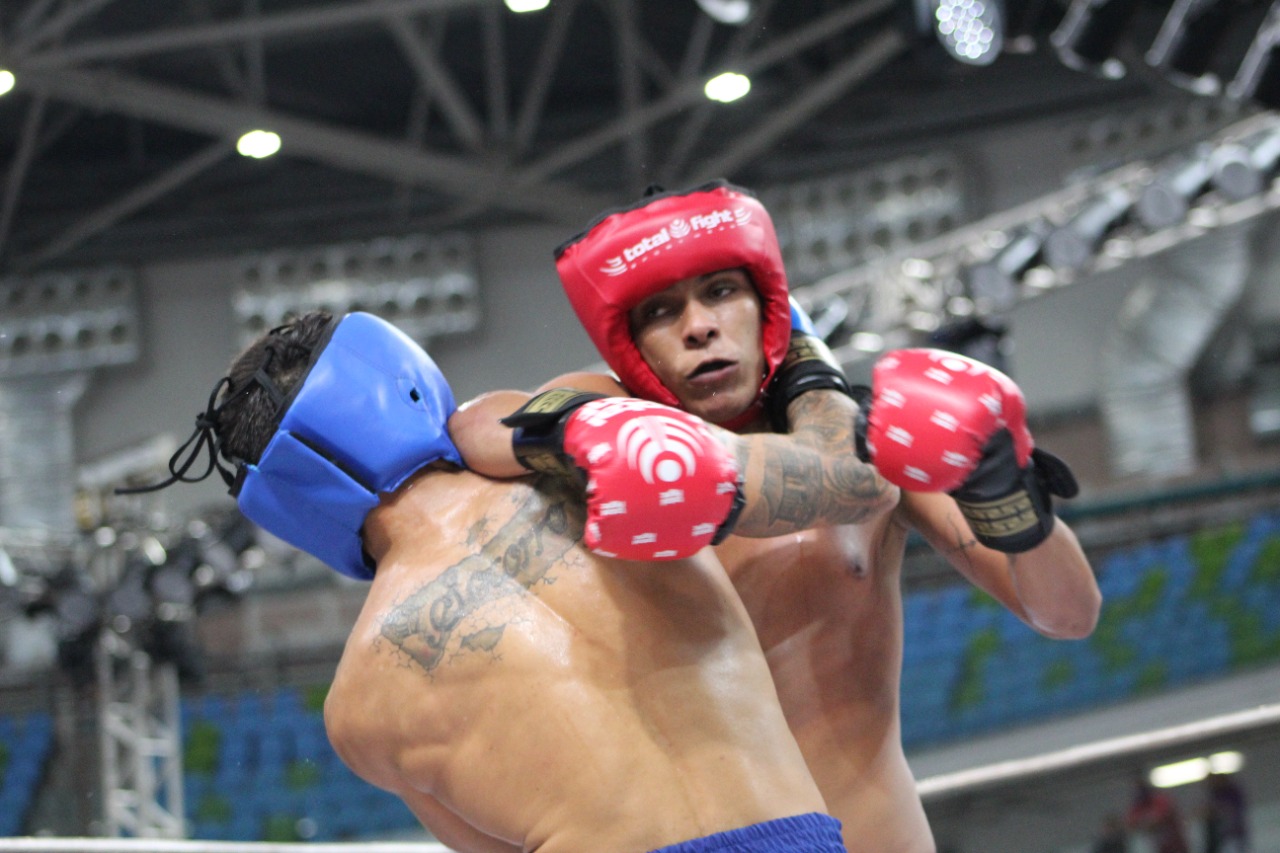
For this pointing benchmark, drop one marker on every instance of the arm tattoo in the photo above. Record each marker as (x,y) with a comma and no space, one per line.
(546,525)
(812,476)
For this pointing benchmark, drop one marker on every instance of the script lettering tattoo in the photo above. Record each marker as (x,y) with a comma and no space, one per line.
(545,526)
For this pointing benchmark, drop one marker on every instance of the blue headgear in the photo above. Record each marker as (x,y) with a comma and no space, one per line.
(372,410)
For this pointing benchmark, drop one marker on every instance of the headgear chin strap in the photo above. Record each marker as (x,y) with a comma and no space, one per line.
(630,254)
(372,410)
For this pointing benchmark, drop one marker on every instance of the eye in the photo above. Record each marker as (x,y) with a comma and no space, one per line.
(722,287)
(652,311)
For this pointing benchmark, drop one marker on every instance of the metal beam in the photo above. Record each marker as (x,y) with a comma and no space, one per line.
(544,68)
(436,79)
(22,159)
(336,16)
(70,15)
(815,97)
(132,201)
(338,147)
(690,91)
(626,40)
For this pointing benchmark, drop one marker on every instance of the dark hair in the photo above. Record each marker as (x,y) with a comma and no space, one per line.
(248,415)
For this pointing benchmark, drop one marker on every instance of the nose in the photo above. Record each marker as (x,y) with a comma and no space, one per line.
(700,324)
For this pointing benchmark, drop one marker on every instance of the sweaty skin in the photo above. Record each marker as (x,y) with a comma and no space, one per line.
(520,693)
(826,602)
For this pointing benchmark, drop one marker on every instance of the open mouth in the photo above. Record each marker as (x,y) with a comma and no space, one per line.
(710,367)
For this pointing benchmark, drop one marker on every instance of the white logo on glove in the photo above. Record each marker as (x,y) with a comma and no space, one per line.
(899,435)
(945,420)
(940,376)
(916,473)
(660,448)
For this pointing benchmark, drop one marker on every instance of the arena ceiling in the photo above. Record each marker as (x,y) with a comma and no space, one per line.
(118,140)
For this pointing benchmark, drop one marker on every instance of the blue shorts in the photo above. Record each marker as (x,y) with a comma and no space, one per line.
(806,833)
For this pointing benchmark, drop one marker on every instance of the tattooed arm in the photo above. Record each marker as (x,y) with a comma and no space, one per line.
(811,477)
(808,478)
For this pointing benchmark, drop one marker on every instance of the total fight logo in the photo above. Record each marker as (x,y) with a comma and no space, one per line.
(675,232)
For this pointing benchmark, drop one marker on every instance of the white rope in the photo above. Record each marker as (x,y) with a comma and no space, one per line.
(1049,762)
(930,787)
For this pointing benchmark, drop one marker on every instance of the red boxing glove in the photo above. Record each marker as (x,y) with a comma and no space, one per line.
(932,413)
(659,485)
(942,422)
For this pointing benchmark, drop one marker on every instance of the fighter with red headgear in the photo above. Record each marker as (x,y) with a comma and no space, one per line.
(685,296)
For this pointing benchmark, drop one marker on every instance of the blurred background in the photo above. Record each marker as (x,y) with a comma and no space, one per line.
(1080,192)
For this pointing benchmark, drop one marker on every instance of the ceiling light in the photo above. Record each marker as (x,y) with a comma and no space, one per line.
(732,12)
(259,144)
(727,87)
(7,81)
(520,6)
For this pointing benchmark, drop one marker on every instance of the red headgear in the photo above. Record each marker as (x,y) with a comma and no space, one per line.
(627,255)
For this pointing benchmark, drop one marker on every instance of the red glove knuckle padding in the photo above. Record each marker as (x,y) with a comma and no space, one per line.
(932,412)
(658,483)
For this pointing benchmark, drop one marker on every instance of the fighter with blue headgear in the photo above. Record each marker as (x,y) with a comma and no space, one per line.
(356,408)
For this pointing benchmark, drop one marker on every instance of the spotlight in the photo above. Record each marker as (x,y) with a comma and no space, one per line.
(1088,33)
(972,31)
(1244,169)
(1187,38)
(1073,245)
(1256,77)
(522,6)
(993,284)
(1167,200)
(7,82)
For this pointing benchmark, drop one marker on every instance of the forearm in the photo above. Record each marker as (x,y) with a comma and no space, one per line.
(811,477)
(482,439)
(1051,587)
(1056,586)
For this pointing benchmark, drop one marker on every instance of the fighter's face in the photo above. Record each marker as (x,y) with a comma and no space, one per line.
(701,337)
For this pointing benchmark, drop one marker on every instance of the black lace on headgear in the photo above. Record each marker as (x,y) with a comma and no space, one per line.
(207,435)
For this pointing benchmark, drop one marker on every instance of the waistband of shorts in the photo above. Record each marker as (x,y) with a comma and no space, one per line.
(816,832)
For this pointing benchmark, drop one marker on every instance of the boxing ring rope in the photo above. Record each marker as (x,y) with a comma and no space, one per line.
(944,784)
(932,787)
